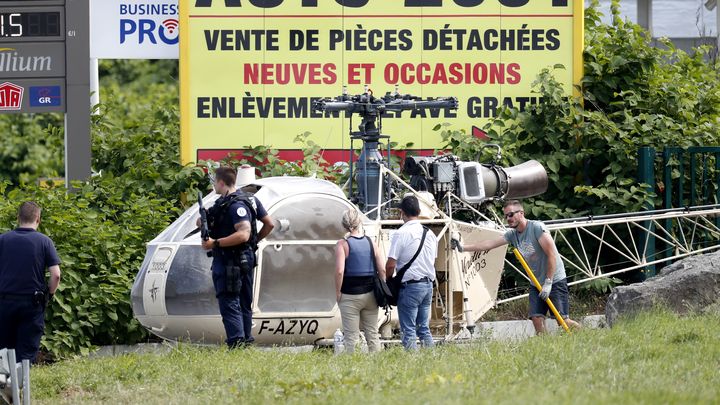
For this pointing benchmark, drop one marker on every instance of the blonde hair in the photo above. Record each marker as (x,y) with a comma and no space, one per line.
(351,220)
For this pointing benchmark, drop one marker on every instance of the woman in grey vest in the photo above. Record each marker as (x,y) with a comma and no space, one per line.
(354,273)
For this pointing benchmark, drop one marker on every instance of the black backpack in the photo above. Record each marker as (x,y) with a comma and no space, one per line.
(218,212)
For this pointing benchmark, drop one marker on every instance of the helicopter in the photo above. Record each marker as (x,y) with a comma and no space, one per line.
(294,299)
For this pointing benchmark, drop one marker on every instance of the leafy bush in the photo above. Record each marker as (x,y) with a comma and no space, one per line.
(31,147)
(633,95)
(100,242)
(268,163)
(101,229)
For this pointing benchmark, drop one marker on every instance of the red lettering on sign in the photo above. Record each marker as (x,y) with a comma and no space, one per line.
(453,73)
(289,73)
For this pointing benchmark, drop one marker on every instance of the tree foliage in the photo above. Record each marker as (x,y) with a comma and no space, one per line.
(101,229)
(633,95)
(31,147)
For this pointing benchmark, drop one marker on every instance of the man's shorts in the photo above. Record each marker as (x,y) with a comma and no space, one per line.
(558,295)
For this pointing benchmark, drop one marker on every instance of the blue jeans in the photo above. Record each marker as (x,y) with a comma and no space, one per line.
(414,312)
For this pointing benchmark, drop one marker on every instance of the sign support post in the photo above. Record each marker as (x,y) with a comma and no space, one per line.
(77,117)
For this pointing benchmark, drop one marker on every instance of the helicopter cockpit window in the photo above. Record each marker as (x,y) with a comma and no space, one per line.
(183,228)
(188,229)
(297,278)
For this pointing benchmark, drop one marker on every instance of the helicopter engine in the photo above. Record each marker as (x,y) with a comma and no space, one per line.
(475,182)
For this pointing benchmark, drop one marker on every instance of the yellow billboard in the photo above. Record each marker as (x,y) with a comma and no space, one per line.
(251,69)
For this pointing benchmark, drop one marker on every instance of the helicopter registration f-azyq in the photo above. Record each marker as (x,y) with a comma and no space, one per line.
(294,291)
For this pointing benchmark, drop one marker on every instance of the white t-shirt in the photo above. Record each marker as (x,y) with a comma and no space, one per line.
(405,242)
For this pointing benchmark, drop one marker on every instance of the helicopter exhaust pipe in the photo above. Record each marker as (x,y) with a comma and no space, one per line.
(480,182)
(524,180)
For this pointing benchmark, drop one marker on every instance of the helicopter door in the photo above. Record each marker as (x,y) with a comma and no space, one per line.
(154,288)
(297,277)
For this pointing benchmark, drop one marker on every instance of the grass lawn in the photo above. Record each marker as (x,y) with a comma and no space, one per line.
(655,358)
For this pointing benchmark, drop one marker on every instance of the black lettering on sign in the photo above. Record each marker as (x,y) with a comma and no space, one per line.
(514,3)
(423,3)
(363,3)
(256,3)
(208,3)
(468,3)
(352,3)
(266,3)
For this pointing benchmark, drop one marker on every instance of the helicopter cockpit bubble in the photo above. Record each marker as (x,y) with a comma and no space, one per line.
(294,293)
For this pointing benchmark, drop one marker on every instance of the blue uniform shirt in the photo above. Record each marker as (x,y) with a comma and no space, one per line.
(25,255)
(234,214)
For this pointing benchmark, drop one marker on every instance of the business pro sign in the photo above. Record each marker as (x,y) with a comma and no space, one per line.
(134,29)
(251,69)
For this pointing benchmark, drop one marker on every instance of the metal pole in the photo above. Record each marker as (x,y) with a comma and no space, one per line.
(12,362)
(717,181)
(77,117)
(693,178)
(646,174)
(558,318)
(352,152)
(667,198)
(94,85)
(26,381)
(717,22)
(644,13)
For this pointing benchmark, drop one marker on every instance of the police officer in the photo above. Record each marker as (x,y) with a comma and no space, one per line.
(25,255)
(233,240)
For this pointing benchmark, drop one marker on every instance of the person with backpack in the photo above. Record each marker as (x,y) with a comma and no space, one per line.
(356,260)
(413,249)
(233,240)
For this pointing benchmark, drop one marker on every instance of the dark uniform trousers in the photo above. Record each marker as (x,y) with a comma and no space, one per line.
(235,307)
(22,323)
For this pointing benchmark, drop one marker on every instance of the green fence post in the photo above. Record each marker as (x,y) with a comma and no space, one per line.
(716,200)
(646,174)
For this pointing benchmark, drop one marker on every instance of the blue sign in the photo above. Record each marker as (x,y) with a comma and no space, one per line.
(45,96)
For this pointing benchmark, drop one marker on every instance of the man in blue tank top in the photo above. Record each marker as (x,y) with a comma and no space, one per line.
(533,240)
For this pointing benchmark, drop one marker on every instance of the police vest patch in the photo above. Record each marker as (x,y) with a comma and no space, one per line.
(241,212)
